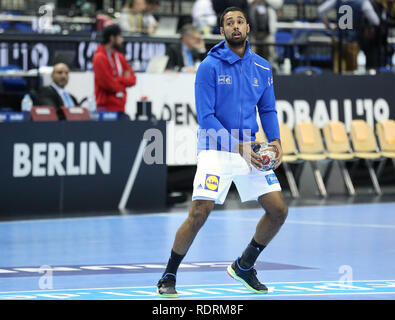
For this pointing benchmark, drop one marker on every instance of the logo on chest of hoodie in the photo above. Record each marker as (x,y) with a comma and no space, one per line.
(224,79)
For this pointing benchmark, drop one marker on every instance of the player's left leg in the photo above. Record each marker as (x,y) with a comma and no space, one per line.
(276,211)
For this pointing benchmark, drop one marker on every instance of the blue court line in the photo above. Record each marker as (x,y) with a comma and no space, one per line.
(214,291)
(317,223)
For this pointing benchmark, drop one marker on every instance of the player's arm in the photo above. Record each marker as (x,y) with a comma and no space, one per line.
(268,115)
(205,100)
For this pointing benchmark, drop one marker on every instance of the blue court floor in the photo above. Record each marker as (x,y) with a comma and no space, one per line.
(322,252)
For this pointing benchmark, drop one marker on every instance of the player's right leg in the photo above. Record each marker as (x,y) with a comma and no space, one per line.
(199,211)
(211,185)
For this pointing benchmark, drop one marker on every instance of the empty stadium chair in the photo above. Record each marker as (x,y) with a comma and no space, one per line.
(13,84)
(43,113)
(288,143)
(283,37)
(339,149)
(312,53)
(289,156)
(288,146)
(309,70)
(385,131)
(76,113)
(365,147)
(311,148)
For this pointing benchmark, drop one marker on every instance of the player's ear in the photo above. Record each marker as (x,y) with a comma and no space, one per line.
(248,28)
(221,30)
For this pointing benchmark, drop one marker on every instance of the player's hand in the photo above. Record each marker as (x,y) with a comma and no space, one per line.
(252,158)
(277,144)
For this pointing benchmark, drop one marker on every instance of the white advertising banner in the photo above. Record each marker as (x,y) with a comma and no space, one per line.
(171,97)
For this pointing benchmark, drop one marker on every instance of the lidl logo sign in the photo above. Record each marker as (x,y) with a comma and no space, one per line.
(212,182)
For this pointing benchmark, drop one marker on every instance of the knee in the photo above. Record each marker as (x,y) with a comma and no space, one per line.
(198,216)
(279,214)
(197,219)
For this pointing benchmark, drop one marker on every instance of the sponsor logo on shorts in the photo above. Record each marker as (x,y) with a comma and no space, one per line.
(212,182)
(271,179)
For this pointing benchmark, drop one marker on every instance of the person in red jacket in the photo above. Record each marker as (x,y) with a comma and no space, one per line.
(112,73)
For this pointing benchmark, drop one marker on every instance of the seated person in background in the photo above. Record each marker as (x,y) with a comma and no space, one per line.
(55,94)
(149,21)
(203,16)
(132,16)
(112,73)
(186,55)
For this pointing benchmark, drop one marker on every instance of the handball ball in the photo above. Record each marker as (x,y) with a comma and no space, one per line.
(267,154)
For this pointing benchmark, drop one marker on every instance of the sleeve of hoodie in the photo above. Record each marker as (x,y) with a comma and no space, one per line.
(267,110)
(127,81)
(205,102)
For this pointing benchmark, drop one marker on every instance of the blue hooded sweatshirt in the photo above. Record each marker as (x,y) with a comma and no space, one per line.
(228,89)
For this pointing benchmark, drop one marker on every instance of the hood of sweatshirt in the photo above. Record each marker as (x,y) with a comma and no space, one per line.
(223,52)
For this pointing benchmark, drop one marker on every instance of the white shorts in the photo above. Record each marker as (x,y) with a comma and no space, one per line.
(216,170)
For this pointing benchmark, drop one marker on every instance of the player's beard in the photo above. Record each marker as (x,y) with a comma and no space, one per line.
(236,43)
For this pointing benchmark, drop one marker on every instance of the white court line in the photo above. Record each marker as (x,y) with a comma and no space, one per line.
(182,213)
(265,295)
(198,285)
(340,224)
(268,295)
(248,295)
(317,223)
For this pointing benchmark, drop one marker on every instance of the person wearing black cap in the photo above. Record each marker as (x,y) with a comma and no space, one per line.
(112,73)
